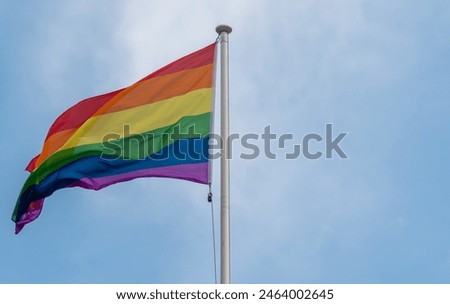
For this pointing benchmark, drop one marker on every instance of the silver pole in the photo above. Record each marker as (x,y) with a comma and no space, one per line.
(223,31)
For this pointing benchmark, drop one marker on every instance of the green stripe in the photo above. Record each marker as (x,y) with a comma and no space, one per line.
(133,147)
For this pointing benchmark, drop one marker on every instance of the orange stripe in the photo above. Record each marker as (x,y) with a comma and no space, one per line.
(159,88)
(52,144)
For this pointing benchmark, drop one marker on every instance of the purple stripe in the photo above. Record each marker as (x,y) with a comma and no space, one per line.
(32,213)
(192,172)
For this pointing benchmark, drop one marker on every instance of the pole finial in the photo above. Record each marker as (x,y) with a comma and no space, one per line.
(223,28)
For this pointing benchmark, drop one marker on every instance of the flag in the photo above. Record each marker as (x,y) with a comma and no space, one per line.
(157,127)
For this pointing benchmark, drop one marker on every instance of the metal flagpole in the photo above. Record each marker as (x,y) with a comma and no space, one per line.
(223,31)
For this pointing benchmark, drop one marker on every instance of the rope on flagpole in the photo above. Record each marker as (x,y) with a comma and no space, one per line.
(210,201)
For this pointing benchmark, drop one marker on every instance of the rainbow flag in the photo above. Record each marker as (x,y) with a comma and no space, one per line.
(157,127)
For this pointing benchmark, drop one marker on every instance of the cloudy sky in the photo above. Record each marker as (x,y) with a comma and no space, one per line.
(377,70)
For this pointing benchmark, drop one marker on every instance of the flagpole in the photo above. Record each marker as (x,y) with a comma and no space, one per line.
(223,31)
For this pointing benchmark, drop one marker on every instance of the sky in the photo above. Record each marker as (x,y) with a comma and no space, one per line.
(378,71)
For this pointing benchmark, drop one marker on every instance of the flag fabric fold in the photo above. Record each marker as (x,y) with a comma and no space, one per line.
(157,127)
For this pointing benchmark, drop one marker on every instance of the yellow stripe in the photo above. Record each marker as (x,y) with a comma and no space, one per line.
(141,119)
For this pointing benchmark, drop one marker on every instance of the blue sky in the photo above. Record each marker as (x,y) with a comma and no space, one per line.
(378,70)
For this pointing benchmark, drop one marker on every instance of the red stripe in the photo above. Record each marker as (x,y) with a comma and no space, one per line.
(191,61)
(32,165)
